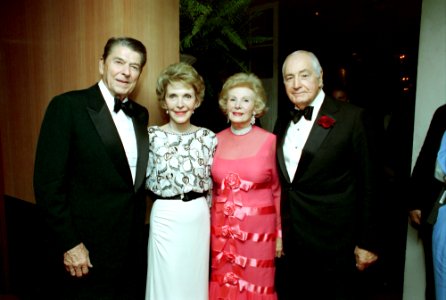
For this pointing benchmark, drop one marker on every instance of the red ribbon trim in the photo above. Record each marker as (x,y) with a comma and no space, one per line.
(232,282)
(219,258)
(241,212)
(234,232)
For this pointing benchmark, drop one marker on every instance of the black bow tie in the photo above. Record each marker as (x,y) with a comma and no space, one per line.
(127,107)
(297,114)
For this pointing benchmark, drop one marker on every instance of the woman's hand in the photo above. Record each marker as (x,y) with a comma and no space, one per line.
(279,247)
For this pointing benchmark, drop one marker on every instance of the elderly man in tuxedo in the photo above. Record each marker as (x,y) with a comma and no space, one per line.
(328,188)
(89,179)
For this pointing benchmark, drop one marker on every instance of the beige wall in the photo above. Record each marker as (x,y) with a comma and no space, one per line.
(51,46)
(431,71)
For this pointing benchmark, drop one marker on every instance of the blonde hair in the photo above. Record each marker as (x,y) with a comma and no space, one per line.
(250,81)
(180,72)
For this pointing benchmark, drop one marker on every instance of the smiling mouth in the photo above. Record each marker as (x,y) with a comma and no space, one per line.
(122,81)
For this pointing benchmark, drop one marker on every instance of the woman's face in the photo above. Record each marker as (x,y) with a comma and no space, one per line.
(240,106)
(180,103)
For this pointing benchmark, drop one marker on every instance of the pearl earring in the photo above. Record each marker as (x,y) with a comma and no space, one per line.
(253,119)
(167,111)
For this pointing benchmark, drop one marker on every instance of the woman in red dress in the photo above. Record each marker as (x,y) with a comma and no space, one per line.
(245,215)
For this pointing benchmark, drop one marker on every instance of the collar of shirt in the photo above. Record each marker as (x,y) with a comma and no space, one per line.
(317,103)
(108,97)
(297,136)
(124,125)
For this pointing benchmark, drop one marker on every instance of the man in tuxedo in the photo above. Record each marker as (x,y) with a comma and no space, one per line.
(89,176)
(328,188)
(424,189)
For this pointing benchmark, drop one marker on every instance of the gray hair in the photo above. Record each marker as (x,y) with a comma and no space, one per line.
(314,61)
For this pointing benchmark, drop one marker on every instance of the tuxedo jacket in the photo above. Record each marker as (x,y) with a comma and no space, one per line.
(424,188)
(328,207)
(83,182)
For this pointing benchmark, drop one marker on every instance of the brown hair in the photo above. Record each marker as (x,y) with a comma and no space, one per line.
(129,42)
(180,72)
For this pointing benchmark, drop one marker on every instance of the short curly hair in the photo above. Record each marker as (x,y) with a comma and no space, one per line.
(250,81)
(180,72)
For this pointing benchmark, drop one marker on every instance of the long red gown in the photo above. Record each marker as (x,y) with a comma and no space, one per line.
(245,216)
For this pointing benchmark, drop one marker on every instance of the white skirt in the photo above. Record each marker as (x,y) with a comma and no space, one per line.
(178,250)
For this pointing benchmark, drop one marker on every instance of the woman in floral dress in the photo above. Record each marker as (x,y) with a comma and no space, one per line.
(178,173)
(245,216)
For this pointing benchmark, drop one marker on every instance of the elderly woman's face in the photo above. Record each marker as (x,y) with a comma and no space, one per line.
(240,106)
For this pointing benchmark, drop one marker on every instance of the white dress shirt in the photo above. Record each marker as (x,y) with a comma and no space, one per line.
(124,125)
(297,135)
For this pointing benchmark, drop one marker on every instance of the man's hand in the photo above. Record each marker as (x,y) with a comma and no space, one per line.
(364,258)
(279,247)
(415,216)
(77,261)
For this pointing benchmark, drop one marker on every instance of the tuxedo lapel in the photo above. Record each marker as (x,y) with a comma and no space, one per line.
(142,141)
(280,132)
(316,137)
(102,120)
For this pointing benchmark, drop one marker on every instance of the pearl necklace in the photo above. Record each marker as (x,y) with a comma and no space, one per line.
(189,129)
(242,131)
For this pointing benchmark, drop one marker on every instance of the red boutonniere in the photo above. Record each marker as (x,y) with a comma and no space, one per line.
(326,122)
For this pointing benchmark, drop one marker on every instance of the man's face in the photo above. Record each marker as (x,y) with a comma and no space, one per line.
(302,83)
(120,71)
